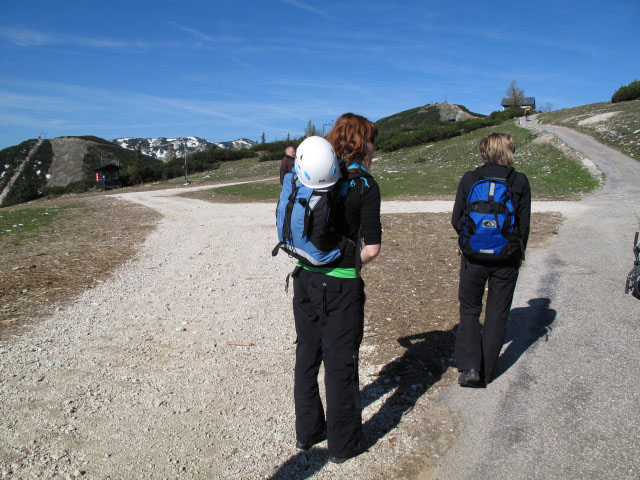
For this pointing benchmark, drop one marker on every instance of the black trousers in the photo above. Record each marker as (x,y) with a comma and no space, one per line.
(479,346)
(329,317)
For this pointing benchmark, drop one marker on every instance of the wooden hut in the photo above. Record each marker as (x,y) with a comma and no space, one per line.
(108,177)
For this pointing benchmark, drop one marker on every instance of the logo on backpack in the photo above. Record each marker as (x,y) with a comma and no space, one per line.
(489,232)
(304,219)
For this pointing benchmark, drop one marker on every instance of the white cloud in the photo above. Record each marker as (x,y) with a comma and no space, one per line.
(308,8)
(24,37)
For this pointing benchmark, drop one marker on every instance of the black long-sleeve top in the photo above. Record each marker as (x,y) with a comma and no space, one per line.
(359,213)
(521,197)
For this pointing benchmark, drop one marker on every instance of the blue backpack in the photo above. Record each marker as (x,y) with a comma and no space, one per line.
(304,219)
(490,232)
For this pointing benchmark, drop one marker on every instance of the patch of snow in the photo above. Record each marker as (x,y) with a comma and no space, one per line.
(48,175)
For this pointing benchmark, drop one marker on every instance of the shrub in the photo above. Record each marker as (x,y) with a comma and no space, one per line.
(269,156)
(277,146)
(79,186)
(627,92)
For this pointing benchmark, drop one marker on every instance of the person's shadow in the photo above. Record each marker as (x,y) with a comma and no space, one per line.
(426,358)
(525,326)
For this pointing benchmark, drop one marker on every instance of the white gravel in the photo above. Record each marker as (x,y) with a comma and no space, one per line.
(597,118)
(181,365)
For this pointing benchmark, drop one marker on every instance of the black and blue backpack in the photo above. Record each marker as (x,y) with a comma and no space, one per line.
(305,220)
(490,232)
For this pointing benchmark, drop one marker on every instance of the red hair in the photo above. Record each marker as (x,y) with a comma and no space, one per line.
(349,137)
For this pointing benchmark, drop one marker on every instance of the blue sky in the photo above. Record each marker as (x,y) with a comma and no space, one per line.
(228,69)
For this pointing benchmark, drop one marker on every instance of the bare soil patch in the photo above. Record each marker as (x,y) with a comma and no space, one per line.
(90,239)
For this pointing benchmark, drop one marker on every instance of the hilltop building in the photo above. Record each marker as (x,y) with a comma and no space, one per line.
(528,102)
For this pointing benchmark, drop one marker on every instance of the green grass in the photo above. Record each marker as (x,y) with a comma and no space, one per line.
(620,131)
(232,170)
(434,170)
(259,191)
(17,225)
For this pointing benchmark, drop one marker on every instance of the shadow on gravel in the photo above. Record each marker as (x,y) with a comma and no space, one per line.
(426,358)
(526,325)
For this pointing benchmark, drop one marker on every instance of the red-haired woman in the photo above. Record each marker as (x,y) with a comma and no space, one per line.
(328,304)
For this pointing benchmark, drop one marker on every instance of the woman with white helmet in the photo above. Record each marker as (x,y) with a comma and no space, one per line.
(328,301)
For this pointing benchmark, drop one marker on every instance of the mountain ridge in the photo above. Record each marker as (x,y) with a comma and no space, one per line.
(157,147)
(430,114)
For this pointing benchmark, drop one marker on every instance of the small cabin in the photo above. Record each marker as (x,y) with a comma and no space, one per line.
(108,177)
(527,102)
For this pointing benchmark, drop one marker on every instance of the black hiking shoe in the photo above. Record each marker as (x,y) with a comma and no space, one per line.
(317,439)
(470,378)
(356,451)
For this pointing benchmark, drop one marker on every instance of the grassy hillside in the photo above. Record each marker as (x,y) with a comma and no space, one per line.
(433,170)
(614,124)
(424,116)
(30,183)
(11,158)
(409,119)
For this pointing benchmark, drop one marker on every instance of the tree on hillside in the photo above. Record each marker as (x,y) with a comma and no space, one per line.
(547,107)
(515,93)
(263,139)
(310,130)
(171,153)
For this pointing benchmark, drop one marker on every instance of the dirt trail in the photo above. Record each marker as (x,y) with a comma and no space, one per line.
(180,365)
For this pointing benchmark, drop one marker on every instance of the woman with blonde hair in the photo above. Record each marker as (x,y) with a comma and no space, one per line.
(328,303)
(500,213)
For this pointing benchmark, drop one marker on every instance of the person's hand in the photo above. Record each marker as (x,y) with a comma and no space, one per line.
(369,252)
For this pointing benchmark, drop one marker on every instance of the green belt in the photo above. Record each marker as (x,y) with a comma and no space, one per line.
(333,272)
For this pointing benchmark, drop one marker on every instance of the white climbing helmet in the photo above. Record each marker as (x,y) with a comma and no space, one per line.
(316,163)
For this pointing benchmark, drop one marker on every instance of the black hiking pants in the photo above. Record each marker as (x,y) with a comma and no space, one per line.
(479,346)
(329,317)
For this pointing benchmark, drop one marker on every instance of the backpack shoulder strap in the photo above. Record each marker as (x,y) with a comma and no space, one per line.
(353,180)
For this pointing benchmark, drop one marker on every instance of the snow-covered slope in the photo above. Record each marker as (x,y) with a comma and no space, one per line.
(158,147)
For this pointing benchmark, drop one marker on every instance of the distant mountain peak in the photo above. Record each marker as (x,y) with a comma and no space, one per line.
(430,114)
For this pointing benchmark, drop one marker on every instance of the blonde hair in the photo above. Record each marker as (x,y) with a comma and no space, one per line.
(349,137)
(497,148)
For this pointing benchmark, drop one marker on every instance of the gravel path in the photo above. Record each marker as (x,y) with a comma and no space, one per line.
(181,365)
(567,403)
